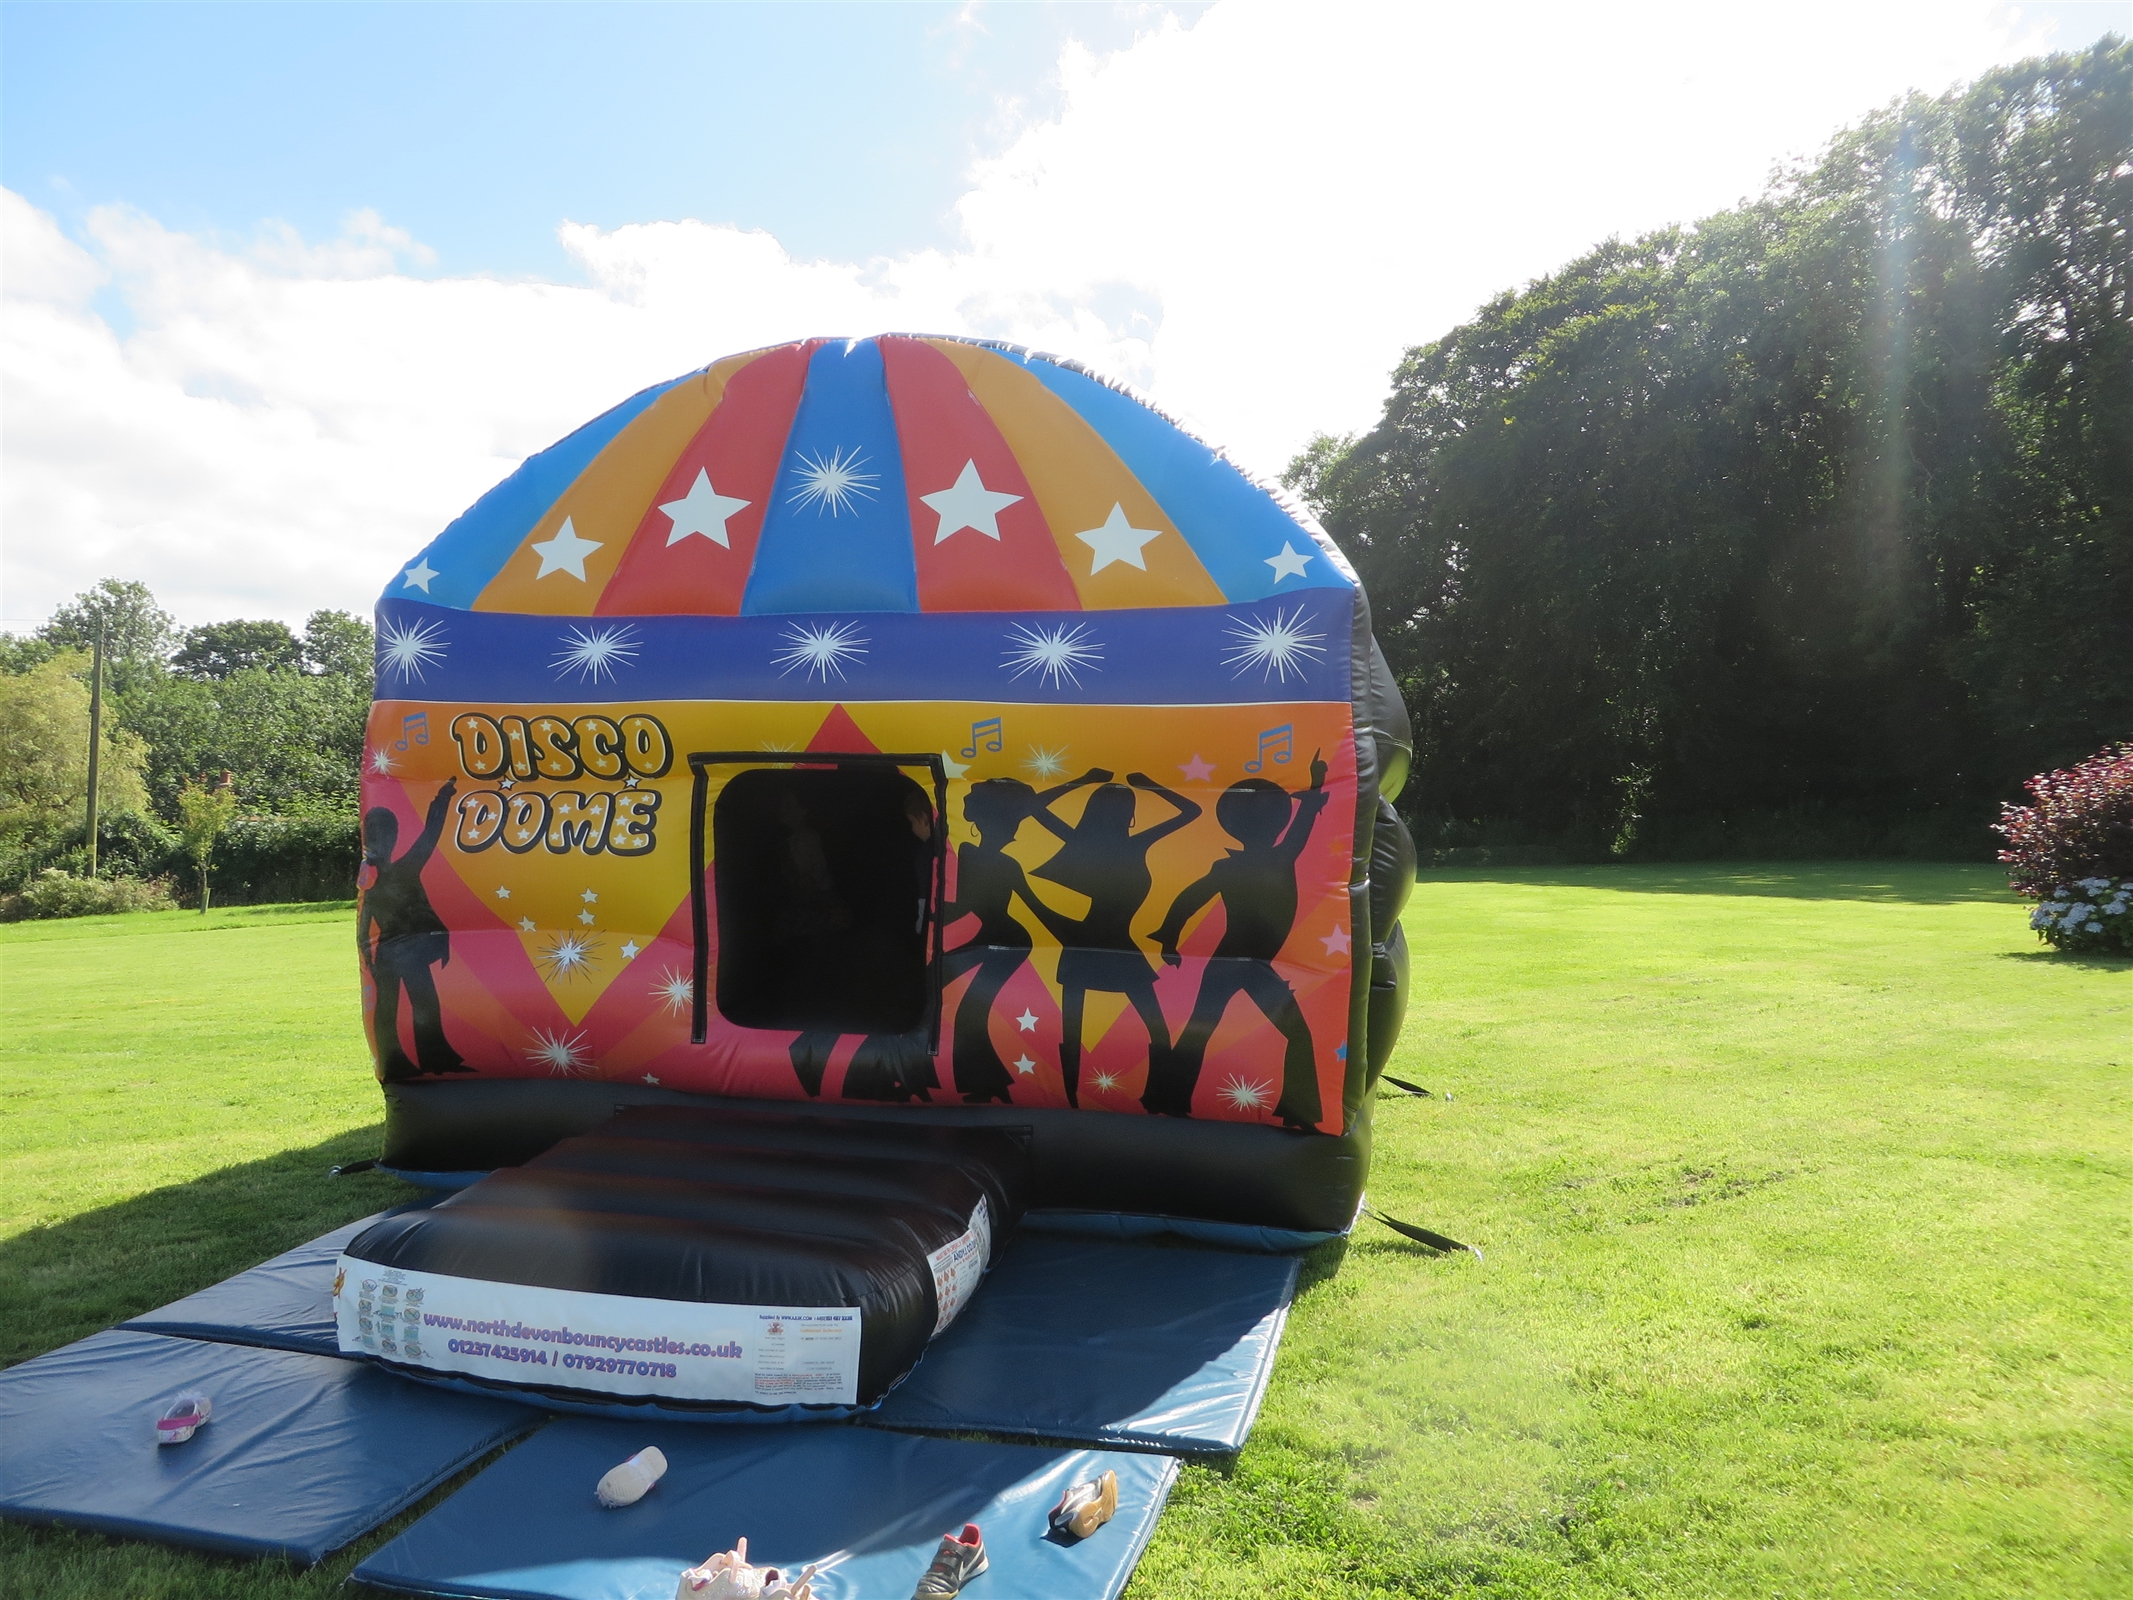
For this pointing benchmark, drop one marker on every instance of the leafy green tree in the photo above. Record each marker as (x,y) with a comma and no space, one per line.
(44,751)
(138,638)
(1816,508)
(218,649)
(204,812)
(336,642)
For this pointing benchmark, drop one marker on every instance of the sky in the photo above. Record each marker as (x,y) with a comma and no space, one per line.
(284,288)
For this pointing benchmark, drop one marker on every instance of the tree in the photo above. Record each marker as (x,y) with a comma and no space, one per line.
(218,649)
(337,643)
(44,750)
(1819,507)
(139,634)
(203,814)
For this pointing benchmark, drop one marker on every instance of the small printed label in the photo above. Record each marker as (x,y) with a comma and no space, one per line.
(618,1344)
(959,1264)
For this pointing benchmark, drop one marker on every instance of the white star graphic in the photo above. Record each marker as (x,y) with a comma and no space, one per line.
(589,898)
(1289,564)
(1197,770)
(654,1082)
(1024,1065)
(967,503)
(1027,1022)
(381,762)
(954,768)
(1118,540)
(1337,942)
(418,576)
(630,947)
(630,782)
(702,510)
(586,917)
(525,925)
(565,552)
(502,893)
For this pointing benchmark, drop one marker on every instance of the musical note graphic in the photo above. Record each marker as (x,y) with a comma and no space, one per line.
(978,730)
(1278,740)
(415,726)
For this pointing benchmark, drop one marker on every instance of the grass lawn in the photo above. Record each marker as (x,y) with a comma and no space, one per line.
(1804,1193)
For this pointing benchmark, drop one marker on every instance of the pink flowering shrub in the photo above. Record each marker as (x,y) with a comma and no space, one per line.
(2072,852)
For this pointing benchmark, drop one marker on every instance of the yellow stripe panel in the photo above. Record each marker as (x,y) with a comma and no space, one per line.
(1078,480)
(606,504)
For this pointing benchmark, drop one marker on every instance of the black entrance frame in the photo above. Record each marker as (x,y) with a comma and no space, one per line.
(700,765)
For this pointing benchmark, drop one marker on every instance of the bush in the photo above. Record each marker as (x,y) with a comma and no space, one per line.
(265,859)
(54,893)
(2072,852)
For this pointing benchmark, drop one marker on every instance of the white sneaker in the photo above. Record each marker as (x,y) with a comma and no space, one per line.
(182,1418)
(632,1481)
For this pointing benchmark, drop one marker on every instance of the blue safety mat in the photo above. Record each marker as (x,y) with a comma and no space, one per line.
(303,1453)
(1107,1343)
(870,1507)
(282,1304)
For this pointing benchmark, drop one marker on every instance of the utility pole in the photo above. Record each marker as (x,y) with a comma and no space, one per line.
(96,732)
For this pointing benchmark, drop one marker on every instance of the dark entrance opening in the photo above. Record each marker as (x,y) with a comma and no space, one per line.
(825,881)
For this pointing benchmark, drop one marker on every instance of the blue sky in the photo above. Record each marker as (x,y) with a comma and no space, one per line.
(843,129)
(286,287)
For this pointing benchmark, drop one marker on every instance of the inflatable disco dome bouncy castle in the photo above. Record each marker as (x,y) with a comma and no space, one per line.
(832,803)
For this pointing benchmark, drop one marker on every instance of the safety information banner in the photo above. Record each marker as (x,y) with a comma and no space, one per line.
(959,1264)
(619,1344)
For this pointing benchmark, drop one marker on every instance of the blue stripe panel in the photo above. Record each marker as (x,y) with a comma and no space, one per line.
(837,536)
(1233,526)
(480,540)
(1286,649)
(869,1507)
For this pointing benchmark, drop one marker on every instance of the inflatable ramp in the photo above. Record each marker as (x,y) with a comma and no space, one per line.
(747,1263)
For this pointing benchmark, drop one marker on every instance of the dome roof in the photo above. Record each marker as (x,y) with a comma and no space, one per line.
(887,474)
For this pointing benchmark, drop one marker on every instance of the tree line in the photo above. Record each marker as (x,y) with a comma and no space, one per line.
(1800,529)
(275,715)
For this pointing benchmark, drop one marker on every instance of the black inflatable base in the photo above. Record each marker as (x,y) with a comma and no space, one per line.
(1081,1160)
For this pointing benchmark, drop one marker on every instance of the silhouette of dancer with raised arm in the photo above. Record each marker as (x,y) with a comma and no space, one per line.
(1257,888)
(1106,860)
(987,882)
(410,938)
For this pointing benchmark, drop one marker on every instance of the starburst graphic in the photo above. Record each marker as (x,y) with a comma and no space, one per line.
(381,762)
(595,653)
(1104,1082)
(780,747)
(569,955)
(833,482)
(410,648)
(1058,654)
(1043,763)
(676,991)
(1245,1095)
(561,1053)
(821,649)
(1278,645)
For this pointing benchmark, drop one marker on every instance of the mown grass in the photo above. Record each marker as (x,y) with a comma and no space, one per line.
(1804,1195)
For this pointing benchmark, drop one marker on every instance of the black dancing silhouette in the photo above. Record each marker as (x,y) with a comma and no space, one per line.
(1257,887)
(1106,860)
(410,939)
(987,882)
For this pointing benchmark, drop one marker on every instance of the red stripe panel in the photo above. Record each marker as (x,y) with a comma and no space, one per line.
(947,438)
(737,451)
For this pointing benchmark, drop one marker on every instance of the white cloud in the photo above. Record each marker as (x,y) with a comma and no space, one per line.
(1250,218)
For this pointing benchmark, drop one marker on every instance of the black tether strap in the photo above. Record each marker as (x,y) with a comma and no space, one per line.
(1423,1236)
(1404,1086)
